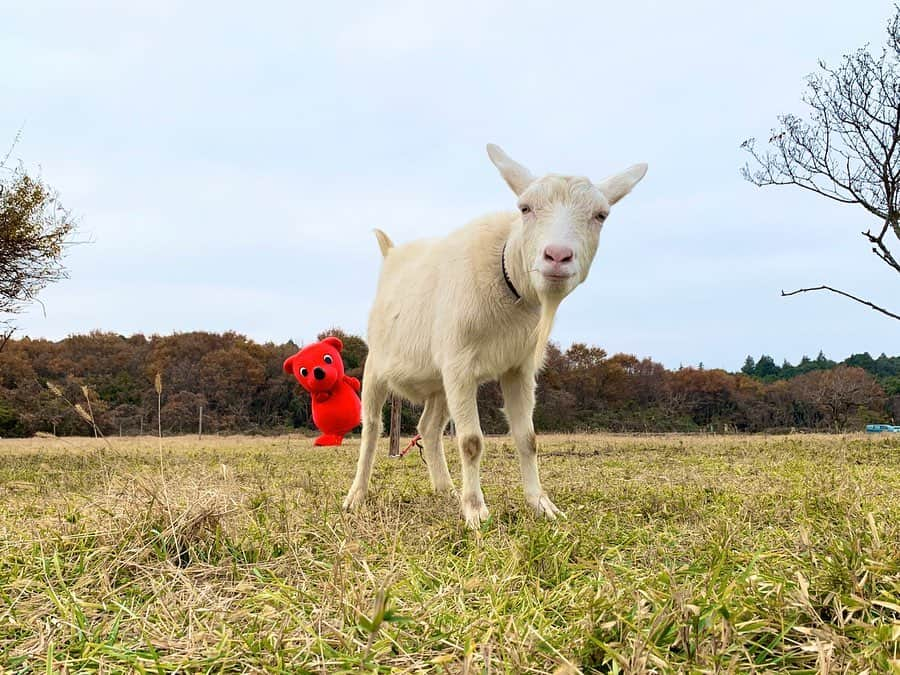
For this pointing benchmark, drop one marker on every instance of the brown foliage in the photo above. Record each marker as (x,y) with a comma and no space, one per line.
(34,230)
(241,386)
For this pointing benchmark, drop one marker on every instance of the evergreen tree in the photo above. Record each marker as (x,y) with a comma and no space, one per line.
(766,368)
(749,366)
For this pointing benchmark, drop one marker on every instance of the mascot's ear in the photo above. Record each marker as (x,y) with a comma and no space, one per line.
(334,342)
(289,365)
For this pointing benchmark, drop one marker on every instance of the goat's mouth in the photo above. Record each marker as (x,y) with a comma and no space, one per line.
(557,277)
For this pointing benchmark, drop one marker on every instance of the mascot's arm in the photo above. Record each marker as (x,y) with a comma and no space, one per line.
(353,382)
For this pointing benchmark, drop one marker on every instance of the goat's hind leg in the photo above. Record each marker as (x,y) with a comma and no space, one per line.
(374,394)
(431,427)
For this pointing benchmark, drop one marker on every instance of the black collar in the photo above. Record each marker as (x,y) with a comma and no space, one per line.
(509,283)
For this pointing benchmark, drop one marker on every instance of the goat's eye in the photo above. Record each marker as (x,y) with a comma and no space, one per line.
(525,209)
(304,372)
(600,216)
(328,358)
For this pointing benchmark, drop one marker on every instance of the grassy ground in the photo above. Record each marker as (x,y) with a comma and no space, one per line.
(712,554)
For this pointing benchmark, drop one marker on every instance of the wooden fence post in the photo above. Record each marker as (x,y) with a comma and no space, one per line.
(394,448)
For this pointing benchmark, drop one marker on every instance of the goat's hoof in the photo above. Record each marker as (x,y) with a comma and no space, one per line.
(544,507)
(445,489)
(474,511)
(354,498)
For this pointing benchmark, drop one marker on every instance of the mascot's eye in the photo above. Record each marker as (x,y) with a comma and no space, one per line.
(525,209)
(328,358)
(304,372)
(600,216)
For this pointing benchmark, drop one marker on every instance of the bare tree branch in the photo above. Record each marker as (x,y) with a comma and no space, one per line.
(18,137)
(846,295)
(848,149)
(4,338)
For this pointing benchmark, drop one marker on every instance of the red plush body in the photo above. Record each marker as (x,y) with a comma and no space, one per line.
(335,397)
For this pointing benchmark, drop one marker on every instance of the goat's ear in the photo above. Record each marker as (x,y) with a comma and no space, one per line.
(334,342)
(515,175)
(617,186)
(289,365)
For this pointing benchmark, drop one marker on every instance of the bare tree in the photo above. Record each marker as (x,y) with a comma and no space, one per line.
(34,230)
(839,393)
(847,150)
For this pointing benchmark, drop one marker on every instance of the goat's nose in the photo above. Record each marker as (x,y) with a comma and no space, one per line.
(558,254)
(318,373)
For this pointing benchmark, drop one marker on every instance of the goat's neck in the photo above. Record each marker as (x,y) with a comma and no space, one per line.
(519,271)
(517,267)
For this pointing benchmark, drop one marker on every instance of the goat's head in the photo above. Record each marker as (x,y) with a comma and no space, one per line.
(561,220)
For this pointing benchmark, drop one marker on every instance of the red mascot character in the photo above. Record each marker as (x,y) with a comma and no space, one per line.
(335,396)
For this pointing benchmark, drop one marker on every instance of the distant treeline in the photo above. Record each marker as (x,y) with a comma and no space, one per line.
(241,387)
(885,368)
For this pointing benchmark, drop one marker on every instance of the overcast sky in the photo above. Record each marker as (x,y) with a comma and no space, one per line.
(227,166)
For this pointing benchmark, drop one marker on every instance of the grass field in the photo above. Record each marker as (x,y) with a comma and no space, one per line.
(679,554)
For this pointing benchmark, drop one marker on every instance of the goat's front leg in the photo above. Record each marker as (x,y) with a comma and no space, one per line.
(374,394)
(518,398)
(461,399)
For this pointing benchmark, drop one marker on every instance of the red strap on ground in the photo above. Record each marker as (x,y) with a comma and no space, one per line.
(413,443)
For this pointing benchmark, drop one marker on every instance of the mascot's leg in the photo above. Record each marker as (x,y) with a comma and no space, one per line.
(431,425)
(374,394)
(329,440)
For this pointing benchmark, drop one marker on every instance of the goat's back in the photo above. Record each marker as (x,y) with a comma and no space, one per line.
(438,299)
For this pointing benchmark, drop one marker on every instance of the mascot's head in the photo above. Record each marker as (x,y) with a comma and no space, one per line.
(317,367)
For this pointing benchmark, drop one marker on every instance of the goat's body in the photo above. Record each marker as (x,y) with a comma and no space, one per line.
(442,301)
(477,305)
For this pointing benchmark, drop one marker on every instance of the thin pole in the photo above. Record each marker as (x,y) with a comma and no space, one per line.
(200,432)
(396,404)
(159,390)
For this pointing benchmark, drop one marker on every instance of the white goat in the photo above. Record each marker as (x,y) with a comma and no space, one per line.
(474,306)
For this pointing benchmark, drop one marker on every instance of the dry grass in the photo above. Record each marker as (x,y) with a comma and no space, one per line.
(679,554)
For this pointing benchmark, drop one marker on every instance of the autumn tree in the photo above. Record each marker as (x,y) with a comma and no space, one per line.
(847,149)
(706,395)
(839,394)
(555,404)
(241,387)
(34,231)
